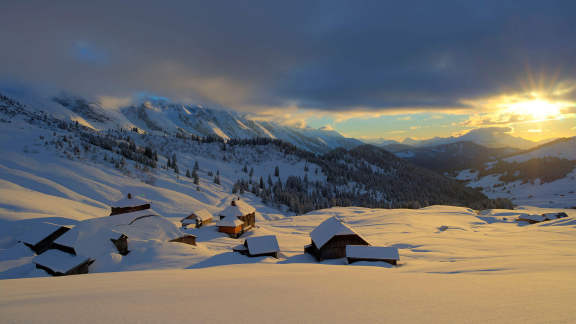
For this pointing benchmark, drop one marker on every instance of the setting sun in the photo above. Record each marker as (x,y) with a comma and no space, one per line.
(536,108)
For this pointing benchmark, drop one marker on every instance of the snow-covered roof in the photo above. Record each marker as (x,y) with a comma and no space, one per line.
(551,216)
(262,244)
(535,218)
(328,229)
(188,221)
(230,222)
(91,237)
(241,208)
(36,232)
(130,202)
(201,214)
(372,252)
(59,261)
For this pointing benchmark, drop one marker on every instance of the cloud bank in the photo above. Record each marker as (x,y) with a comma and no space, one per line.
(345,57)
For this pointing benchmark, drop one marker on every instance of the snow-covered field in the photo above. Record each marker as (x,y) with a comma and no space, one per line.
(456,266)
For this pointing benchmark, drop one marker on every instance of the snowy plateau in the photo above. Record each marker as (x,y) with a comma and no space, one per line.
(457,264)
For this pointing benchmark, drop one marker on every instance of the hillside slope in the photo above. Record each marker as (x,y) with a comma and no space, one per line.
(544,176)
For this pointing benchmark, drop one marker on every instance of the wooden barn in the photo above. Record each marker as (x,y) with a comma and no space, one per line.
(260,246)
(356,253)
(237,211)
(129,204)
(40,237)
(186,239)
(330,238)
(197,218)
(58,263)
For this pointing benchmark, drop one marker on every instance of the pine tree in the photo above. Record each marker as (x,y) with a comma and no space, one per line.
(196,179)
(251,172)
(188,173)
(217,179)
(196,167)
(277,171)
(261,183)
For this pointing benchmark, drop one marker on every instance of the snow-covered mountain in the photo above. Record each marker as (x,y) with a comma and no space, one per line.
(542,176)
(452,156)
(158,116)
(491,137)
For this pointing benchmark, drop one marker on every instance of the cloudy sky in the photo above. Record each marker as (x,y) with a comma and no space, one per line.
(389,69)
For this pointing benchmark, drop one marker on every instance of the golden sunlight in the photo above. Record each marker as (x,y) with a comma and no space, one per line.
(535,108)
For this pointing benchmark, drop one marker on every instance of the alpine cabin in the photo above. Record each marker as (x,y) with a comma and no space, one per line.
(197,218)
(330,238)
(129,204)
(237,218)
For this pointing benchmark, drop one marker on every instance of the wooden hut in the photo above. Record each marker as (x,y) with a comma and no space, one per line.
(186,239)
(330,238)
(58,263)
(231,226)
(197,218)
(238,210)
(40,237)
(356,253)
(260,246)
(129,204)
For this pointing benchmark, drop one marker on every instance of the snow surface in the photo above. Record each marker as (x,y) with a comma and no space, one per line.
(294,293)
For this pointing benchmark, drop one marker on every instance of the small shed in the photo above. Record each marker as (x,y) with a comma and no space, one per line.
(121,244)
(129,204)
(58,263)
(330,238)
(40,237)
(531,219)
(186,239)
(197,218)
(260,246)
(231,226)
(356,253)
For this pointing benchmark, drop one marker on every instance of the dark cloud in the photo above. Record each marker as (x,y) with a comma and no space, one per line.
(331,55)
